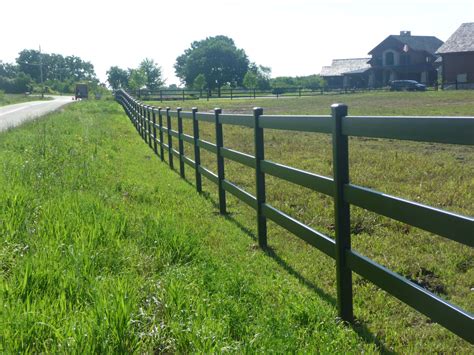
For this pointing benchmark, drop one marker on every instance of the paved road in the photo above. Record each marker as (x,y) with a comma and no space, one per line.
(14,115)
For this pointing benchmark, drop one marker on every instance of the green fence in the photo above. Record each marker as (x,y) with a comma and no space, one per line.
(149,122)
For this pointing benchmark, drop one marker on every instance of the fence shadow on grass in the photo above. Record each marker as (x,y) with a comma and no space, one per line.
(358,326)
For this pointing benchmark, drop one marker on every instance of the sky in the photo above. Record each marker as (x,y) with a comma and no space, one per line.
(292,37)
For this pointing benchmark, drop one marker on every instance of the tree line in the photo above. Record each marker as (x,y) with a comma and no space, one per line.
(213,63)
(37,72)
(210,64)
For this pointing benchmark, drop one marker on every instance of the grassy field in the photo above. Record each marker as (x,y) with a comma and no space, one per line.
(105,249)
(452,103)
(435,174)
(8,99)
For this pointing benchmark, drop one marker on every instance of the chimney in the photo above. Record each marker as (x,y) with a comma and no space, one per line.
(405,33)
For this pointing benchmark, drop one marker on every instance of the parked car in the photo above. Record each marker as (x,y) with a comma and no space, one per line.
(406,85)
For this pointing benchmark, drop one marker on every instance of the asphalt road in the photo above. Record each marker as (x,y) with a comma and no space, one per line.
(14,115)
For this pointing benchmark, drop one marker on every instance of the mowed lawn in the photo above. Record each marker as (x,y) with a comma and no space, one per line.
(106,249)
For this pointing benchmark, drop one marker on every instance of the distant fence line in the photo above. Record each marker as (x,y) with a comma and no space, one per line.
(227,93)
(241,93)
(190,94)
(153,124)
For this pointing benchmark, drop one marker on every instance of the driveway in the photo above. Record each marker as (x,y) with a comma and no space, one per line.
(14,115)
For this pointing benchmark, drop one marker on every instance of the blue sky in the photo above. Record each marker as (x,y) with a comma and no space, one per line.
(294,37)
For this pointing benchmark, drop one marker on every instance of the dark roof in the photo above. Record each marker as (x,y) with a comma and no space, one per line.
(460,41)
(341,66)
(418,43)
(358,71)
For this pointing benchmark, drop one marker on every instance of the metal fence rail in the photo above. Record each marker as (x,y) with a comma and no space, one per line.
(453,130)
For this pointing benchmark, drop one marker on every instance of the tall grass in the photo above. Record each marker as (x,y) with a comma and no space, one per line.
(105,250)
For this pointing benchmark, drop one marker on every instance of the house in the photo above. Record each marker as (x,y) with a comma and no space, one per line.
(458,57)
(404,57)
(346,73)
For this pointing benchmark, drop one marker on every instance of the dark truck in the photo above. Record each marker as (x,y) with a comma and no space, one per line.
(82,91)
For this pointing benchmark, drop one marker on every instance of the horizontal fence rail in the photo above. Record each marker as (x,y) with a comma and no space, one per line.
(154,126)
(242,93)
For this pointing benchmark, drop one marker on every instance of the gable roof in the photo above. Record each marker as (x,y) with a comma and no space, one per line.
(418,43)
(460,41)
(341,66)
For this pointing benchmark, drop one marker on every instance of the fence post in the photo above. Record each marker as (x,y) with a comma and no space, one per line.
(160,127)
(299,92)
(155,146)
(183,94)
(134,114)
(180,142)
(145,138)
(142,121)
(142,110)
(161,96)
(231,97)
(197,150)
(149,109)
(254,93)
(170,139)
(260,178)
(341,213)
(138,116)
(220,161)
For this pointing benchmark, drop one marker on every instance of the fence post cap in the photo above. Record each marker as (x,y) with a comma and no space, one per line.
(339,108)
(217,110)
(179,109)
(194,109)
(168,108)
(258,111)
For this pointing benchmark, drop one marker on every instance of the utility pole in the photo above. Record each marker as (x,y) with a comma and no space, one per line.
(41,72)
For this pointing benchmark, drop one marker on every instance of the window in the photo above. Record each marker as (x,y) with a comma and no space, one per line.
(389,58)
(404,59)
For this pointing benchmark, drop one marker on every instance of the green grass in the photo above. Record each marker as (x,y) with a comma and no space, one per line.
(9,99)
(452,103)
(104,249)
(434,174)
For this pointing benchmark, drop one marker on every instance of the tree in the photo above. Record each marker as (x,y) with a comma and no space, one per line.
(54,66)
(29,63)
(137,79)
(312,82)
(199,82)
(250,80)
(152,73)
(217,58)
(78,69)
(8,70)
(117,78)
(262,75)
(18,84)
